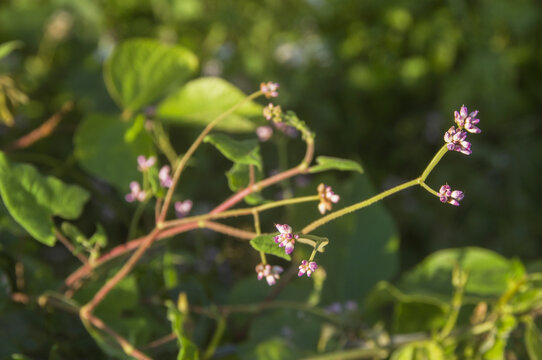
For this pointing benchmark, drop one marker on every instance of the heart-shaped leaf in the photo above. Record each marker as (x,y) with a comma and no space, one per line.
(266,243)
(142,70)
(33,199)
(245,152)
(333,163)
(201,101)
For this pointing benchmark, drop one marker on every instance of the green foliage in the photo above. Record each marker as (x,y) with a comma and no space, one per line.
(331,163)
(488,274)
(7,47)
(33,199)
(423,350)
(188,350)
(533,340)
(108,148)
(142,70)
(266,243)
(201,101)
(246,152)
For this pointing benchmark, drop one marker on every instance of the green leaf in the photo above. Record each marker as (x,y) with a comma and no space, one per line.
(239,178)
(201,101)
(188,350)
(245,152)
(412,313)
(33,199)
(7,47)
(108,148)
(142,70)
(332,163)
(533,340)
(488,274)
(421,350)
(266,243)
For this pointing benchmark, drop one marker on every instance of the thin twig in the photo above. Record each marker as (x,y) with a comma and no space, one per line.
(43,130)
(71,248)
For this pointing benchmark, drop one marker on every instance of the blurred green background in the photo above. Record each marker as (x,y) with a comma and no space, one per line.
(377,81)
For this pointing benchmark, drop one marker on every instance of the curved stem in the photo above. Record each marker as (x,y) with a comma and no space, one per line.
(192,149)
(316,224)
(126,268)
(443,150)
(228,230)
(240,212)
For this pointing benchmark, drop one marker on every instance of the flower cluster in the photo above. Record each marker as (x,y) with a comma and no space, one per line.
(270,273)
(136,193)
(165,177)
(272,112)
(327,197)
(467,121)
(145,163)
(451,197)
(286,239)
(307,267)
(269,89)
(456,138)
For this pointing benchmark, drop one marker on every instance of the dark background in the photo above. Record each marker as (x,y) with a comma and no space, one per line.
(377,81)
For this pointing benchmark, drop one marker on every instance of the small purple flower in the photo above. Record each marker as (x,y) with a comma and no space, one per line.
(144,163)
(285,239)
(264,133)
(136,193)
(456,140)
(327,197)
(307,267)
(467,121)
(269,89)
(182,208)
(451,197)
(164,177)
(272,112)
(270,273)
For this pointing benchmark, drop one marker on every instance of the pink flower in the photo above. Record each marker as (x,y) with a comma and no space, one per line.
(467,121)
(164,177)
(307,267)
(136,193)
(451,197)
(327,197)
(271,273)
(285,239)
(456,140)
(269,89)
(144,164)
(182,208)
